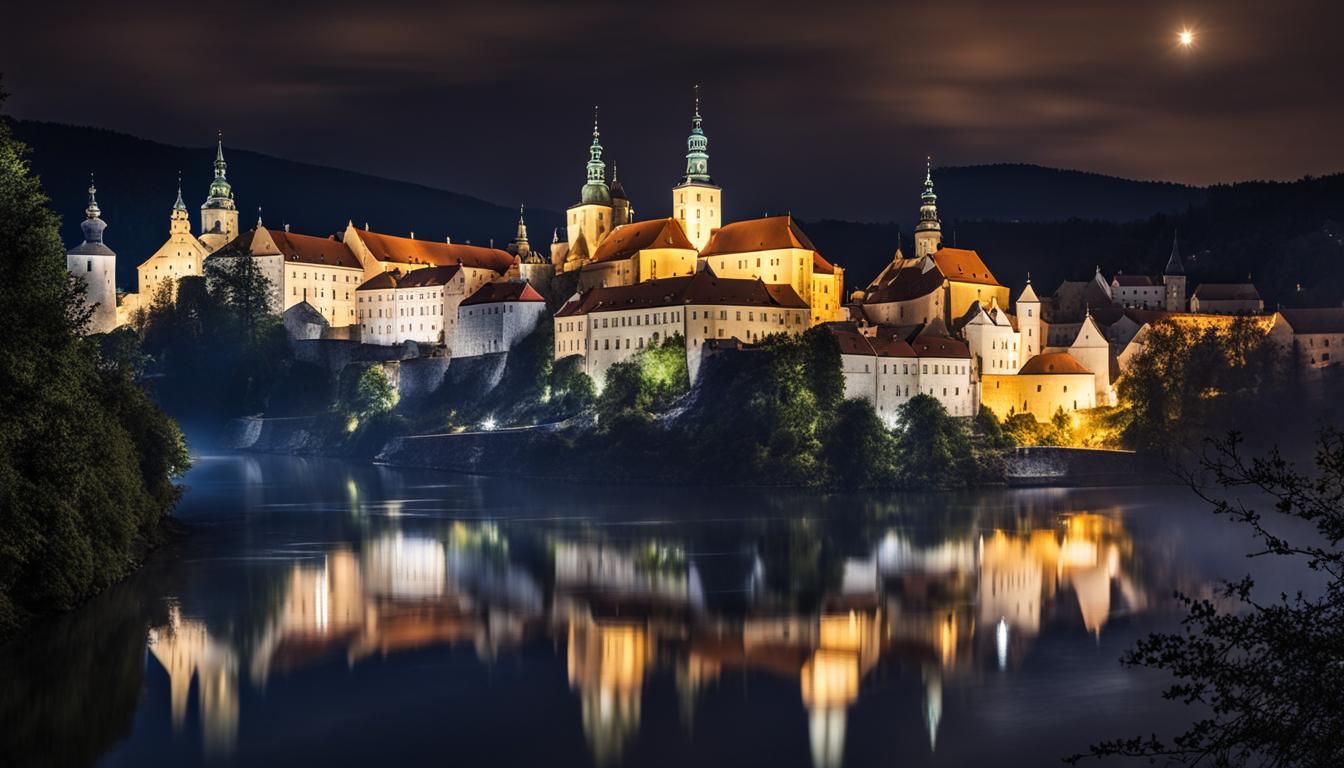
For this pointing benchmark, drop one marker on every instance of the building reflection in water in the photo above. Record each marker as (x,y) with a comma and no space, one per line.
(970,602)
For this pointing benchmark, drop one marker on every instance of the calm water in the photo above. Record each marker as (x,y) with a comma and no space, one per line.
(363,615)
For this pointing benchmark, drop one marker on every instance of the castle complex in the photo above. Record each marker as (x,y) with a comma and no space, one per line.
(937,322)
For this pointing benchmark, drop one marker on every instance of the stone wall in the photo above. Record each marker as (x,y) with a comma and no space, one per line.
(1051,466)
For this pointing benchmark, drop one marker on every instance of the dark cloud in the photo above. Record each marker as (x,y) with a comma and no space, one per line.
(825,108)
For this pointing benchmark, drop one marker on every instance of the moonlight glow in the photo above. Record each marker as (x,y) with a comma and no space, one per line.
(1186,38)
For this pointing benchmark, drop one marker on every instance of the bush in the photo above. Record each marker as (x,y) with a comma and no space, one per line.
(933,449)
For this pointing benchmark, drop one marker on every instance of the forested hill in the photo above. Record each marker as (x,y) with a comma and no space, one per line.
(1017,192)
(1287,237)
(137,183)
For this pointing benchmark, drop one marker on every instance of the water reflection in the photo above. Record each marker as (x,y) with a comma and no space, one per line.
(823,602)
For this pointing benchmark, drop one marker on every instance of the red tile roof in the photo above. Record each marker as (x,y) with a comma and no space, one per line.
(765,234)
(428,276)
(404,250)
(1052,363)
(1322,320)
(906,284)
(1226,292)
(493,293)
(933,341)
(379,282)
(963,266)
(702,288)
(307,249)
(628,239)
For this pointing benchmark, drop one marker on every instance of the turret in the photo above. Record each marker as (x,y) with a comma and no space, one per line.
(929,231)
(219,215)
(96,265)
(1029,322)
(697,202)
(621,212)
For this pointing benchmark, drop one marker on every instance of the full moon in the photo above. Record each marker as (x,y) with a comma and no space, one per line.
(1186,37)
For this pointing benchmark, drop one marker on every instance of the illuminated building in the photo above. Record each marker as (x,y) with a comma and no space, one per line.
(96,265)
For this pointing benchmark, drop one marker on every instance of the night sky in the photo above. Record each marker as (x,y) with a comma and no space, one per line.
(824,108)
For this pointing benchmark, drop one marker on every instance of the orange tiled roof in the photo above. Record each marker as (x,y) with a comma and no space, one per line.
(765,234)
(379,282)
(307,249)
(702,288)
(1052,363)
(493,293)
(628,239)
(963,265)
(429,276)
(404,250)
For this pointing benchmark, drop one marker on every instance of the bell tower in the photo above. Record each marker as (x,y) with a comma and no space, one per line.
(219,216)
(1173,277)
(592,215)
(95,264)
(697,202)
(929,231)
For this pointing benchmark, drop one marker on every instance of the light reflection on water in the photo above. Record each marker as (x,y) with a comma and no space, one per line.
(743,627)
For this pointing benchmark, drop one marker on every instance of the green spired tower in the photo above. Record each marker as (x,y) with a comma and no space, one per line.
(219,215)
(697,202)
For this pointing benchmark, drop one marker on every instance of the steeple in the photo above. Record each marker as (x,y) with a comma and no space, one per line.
(221,192)
(93,224)
(928,233)
(1174,265)
(179,205)
(521,238)
(697,149)
(596,192)
(179,224)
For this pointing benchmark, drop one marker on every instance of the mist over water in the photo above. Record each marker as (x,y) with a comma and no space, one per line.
(347,613)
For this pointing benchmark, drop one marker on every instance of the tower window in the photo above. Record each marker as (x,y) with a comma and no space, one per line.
(89,268)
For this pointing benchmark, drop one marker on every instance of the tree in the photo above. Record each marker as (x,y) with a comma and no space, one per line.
(933,449)
(370,394)
(87,461)
(1267,672)
(859,450)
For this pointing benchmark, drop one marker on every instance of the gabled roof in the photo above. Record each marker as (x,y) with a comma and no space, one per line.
(1133,281)
(404,250)
(963,266)
(493,293)
(1052,363)
(933,341)
(306,249)
(1226,292)
(1323,320)
(881,341)
(627,240)
(379,282)
(428,276)
(906,284)
(767,234)
(702,288)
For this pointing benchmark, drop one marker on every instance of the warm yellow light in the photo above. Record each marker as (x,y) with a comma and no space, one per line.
(1186,37)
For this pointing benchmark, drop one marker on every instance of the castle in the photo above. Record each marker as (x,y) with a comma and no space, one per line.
(937,322)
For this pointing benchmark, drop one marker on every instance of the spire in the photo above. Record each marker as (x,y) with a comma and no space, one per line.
(697,149)
(521,238)
(92,211)
(1174,265)
(555,235)
(93,225)
(221,192)
(596,190)
(928,208)
(259,225)
(179,205)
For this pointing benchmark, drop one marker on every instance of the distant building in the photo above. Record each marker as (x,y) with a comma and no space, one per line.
(1226,299)
(1047,383)
(882,366)
(775,250)
(641,251)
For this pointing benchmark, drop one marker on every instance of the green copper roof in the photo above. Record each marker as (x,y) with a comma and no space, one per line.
(697,148)
(596,190)
(221,192)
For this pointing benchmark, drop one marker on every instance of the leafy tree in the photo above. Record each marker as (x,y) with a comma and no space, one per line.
(992,431)
(369,394)
(87,462)
(933,449)
(859,450)
(572,390)
(1266,671)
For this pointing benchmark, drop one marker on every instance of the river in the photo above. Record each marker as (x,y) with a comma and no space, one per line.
(317,611)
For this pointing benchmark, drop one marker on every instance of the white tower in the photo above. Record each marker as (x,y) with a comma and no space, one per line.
(929,231)
(1029,323)
(697,202)
(219,216)
(95,264)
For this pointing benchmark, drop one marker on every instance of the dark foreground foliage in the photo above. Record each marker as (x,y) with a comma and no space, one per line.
(1267,670)
(87,461)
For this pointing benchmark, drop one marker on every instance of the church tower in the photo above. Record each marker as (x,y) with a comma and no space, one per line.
(1029,322)
(96,264)
(697,202)
(621,212)
(1173,277)
(929,231)
(219,216)
(592,215)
